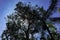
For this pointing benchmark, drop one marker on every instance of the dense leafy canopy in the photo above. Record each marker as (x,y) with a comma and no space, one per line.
(28,20)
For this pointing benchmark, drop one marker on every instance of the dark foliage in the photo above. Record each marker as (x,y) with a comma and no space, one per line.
(35,18)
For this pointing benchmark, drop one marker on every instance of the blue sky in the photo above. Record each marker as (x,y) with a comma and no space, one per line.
(7,7)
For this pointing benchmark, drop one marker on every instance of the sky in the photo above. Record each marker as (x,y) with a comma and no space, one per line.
(7,7)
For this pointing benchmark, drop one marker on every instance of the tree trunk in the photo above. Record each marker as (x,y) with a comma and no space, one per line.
(27,33)
(46,28)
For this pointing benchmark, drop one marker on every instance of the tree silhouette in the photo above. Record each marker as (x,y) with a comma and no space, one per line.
(28,20)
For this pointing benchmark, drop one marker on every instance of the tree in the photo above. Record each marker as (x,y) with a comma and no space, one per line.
(27,20)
